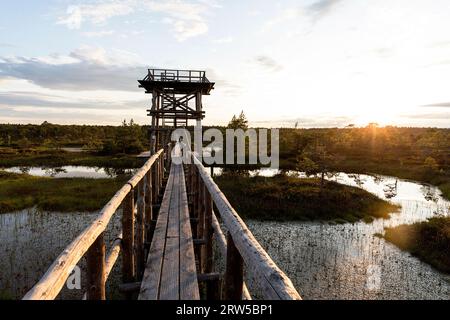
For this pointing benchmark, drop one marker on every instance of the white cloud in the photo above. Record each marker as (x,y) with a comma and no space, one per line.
(186,18)
(312,12)
(73,19)
(286,15)
(97,34)
(268,63)
(85,69)
(96,14)
(322,7)
(98,55)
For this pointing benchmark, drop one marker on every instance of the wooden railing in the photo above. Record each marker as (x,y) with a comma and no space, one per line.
(176,75)
(239,246)
(136,197)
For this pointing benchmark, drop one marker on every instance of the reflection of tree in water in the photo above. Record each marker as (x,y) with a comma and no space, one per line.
(117,172)
(357,178)
(25,170)
(377,179)
(52,172)
(330,175)
(428,193)
(233,171)
(390,189)
(110,172)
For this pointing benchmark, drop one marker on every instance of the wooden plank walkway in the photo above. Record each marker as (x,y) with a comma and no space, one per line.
(170,272)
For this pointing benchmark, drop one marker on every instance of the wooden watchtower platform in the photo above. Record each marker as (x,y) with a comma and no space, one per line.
(172,215)
(176,99)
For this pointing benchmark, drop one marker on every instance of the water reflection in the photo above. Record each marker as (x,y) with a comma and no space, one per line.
(350,261)
(72,172)
(31,240)
(324,261)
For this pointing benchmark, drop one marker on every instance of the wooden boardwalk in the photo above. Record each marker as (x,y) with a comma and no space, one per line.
(169,227)
(170,272)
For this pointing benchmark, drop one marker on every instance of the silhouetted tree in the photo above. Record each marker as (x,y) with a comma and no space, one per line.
(240,122)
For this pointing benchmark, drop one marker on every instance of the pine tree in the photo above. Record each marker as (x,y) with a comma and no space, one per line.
(240,122)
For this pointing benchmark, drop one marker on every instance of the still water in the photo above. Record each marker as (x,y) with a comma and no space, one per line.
(348,261)
(31,240)
(72,172)
(324,261)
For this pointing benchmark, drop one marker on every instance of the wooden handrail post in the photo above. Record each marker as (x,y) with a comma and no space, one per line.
(234,276)
(149,207)
(191,185)
(195,196)
(128,262)
(162,168)
(140,236)
(158,175)
(208,233)
(154,182)
(96,270)
(201,221)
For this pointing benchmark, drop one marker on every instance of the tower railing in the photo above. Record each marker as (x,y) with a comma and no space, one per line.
(173,75)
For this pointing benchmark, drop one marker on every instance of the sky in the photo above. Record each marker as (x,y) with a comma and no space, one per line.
(318,63)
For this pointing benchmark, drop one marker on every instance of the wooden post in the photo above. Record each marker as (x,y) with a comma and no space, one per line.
(150,227)
(169,157)
(128,262)
(162,168)
(208,233)
(156,181)
(201,221)
(195,193)
(191,184)
(140,233)
(96,270)
(187,176)
(234,277)
(213,290)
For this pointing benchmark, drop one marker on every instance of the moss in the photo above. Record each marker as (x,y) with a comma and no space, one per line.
(289,198)
(378,235)
(21,191)
(445,188)
(429,241)
(6,295)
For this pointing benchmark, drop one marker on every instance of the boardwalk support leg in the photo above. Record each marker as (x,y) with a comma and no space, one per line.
(140,236)
(234,277)
(208,233)
(150,227)
(96,270)
(128,263)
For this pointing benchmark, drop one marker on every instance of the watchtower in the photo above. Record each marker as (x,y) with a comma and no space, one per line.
(176,99)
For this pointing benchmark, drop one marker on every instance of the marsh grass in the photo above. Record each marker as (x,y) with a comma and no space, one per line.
(445,188)
(402,168)
(429,241)
(55,158)
(21,191)
(289,198)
